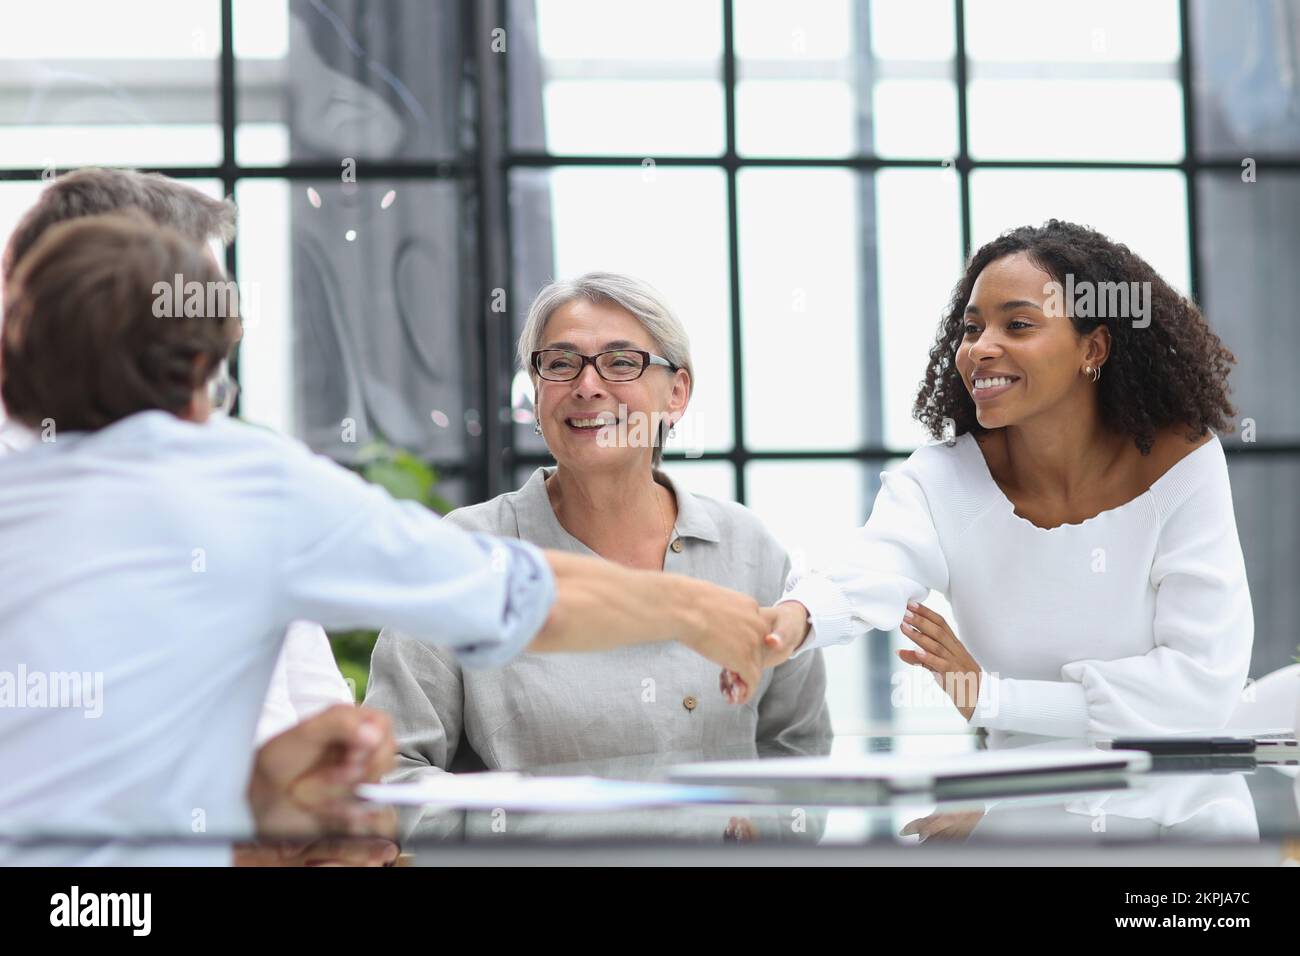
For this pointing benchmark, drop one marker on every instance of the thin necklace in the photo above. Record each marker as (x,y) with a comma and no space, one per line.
(663,519)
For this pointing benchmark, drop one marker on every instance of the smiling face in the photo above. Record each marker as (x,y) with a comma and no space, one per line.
(1015,360)
(569,411)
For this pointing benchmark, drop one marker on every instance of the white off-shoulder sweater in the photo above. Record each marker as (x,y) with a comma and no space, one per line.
(1137,620)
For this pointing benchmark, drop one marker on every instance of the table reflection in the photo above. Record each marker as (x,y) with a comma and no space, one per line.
(1232,803)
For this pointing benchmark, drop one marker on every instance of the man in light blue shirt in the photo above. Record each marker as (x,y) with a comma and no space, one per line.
(153,558)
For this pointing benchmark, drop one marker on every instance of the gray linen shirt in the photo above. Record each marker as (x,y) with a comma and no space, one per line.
(542,709)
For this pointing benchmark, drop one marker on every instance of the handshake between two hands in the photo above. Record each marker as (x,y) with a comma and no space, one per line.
(782,630)
(779,631)
(302,789)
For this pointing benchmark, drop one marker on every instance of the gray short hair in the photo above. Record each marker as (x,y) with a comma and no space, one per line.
(94,191)
(639,298)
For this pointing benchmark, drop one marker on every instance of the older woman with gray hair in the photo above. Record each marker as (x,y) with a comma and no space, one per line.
(611,368)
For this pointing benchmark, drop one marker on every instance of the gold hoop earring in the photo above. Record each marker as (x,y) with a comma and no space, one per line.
(1093,373)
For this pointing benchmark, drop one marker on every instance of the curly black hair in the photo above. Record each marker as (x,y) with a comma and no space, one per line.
(1173,372)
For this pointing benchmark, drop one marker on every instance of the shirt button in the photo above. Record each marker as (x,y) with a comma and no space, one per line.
(676,545)
(690,702)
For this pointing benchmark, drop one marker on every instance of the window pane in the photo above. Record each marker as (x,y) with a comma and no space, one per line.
(716,479)
(796,118)
(801,297)
(1147,211)
(616,77)
(914,118)
(626,110)
(1249,234)
(83,83)
(1247,100)
(315,83)
(918,249)
(265,269)
(813,528)
(90,30)
(261,29)
(664,225)
(1062,80)
(1110,119)
(834,78)
(843,280)
(1100,31)
(895,36)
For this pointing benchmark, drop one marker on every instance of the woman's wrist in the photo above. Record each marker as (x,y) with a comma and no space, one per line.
(794,623)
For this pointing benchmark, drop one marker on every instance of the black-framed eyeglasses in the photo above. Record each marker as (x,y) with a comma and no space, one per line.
(616,365)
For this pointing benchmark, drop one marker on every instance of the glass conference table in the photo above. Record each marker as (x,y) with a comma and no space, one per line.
(1236,812)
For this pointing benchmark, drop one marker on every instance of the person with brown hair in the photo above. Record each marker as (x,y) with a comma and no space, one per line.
(158,554)
(96,190)
(77,354)
(306,679)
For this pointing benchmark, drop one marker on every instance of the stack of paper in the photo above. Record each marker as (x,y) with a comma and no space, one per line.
(515,791)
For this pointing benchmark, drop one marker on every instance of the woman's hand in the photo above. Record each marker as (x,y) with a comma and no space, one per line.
(788,622)
(729,629)
(944,826)
(939,652)
(787,626)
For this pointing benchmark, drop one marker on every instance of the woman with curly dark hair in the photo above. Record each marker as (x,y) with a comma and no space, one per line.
(1075,509)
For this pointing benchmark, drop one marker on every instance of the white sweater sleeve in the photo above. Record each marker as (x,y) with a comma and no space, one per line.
(1203,630)
(895,558)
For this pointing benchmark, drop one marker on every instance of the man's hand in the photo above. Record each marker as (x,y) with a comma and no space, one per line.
(729,629)
(327,851)
(304,780)
(787,627)
(600,605)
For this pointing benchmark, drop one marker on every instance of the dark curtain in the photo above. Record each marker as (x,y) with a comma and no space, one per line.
(384,285)
(1248,106)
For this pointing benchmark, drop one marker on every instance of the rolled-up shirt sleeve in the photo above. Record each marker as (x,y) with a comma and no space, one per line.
(529,594)
(895,558)
(352,556)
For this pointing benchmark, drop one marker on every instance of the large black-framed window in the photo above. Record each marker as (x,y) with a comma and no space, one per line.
(1205,172)
(273,130)
(1194,167)
(475,167)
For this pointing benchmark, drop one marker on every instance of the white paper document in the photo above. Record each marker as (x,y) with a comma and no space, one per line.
(516,791)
